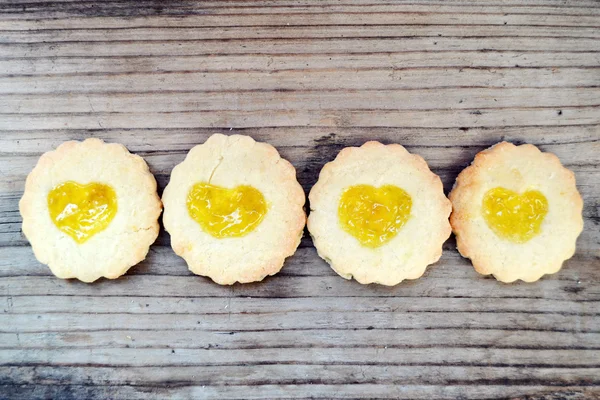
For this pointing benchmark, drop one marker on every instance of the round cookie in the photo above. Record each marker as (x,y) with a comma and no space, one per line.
(234,209)
(378,214)
(90,210)
(516,212)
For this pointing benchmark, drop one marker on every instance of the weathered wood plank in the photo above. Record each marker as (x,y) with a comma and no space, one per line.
(299,286)
(263,3)
(73,322)
(304,19)
(297,374)
(277,62)
(370,79)
(429,99)
(312,141)
(239,305)
(131,357)
(297,46)
(308,391)
(584,115)
(116,9)
(267,32)
(304,338)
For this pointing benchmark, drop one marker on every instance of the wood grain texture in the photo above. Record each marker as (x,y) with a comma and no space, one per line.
(445,79)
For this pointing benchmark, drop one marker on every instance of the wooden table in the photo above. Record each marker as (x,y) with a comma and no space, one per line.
(445,79)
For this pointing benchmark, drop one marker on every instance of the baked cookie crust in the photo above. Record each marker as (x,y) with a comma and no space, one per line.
(231,161)
(417,244)
(126,239)
(517,168)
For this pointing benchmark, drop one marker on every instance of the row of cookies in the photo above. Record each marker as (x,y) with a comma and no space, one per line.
(235,211)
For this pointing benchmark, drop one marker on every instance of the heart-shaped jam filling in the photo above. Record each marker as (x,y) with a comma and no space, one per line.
(512,216)
(81,211)
(374,215)
(224,212)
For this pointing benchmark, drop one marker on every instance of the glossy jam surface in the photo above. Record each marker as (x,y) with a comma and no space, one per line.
(513,216)
(374,215)
(81,211)
(225,213)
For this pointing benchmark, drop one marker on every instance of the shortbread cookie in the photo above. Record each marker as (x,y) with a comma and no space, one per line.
(234,209)
(90,210)
(378,214)
(516,212)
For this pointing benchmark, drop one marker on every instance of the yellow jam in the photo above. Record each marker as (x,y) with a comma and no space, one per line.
(225,213)
(81,211)
(374,215)
(512,216)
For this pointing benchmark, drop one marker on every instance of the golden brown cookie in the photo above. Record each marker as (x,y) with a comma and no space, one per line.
(234,209)
(378,214)
(516,212)
(90,210)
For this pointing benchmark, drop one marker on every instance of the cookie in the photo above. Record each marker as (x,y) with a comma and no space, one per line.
(378,214)
(90,210)
(516,212)
(234,209)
